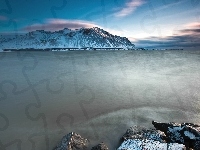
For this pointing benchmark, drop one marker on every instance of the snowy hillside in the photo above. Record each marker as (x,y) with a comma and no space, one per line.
(66,38)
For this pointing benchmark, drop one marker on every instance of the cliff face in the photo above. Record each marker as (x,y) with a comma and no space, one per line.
(66,38)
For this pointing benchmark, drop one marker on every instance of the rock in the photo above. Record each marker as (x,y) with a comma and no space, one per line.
(100,146)
(72,141)
(140,138)
(137,132)
(142,144)
(185,133)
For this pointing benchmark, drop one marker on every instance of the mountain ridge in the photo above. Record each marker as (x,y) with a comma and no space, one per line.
(78,38)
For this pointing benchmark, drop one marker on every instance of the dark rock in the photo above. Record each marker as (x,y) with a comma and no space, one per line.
(137,132)
(72,141)
(100,146)
(185,133)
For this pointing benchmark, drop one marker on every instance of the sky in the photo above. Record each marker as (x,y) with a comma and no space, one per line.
(146,23)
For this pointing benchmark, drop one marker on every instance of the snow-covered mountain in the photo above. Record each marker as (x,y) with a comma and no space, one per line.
(66,38)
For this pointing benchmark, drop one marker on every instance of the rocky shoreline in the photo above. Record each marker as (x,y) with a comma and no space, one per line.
(165,136)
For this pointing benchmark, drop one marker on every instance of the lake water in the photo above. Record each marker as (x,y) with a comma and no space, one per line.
(98,94)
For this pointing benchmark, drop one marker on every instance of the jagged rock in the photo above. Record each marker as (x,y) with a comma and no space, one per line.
(100,146)
(142,144)
(137,132)
(72,141)
(140,138)
(185,133)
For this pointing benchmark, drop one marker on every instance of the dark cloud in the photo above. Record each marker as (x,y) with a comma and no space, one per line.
(191,31)
(3,18)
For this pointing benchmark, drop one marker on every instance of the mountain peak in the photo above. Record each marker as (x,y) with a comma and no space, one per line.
(83,37)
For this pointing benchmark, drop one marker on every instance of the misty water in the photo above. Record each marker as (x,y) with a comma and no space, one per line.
(98,94)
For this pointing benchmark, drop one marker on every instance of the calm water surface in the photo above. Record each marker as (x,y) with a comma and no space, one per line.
(98,94)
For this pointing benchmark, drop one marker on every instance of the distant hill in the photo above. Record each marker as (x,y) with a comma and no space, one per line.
(66,38)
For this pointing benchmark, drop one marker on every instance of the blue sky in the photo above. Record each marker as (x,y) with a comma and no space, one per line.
(147,23)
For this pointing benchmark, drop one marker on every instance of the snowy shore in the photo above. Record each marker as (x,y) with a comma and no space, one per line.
(166,136)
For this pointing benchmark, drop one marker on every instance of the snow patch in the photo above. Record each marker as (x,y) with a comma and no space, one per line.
(189,134)
(138,144)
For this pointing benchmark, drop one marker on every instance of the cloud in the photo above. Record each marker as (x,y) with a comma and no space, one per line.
(3,18)
(59,24)
(188,37)
(129,8)
(191,31)
(193,25)
(132,39)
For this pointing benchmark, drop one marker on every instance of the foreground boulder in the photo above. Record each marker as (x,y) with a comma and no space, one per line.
(185,133)
(72,141)
(137,132)
(140,138)
(100,146)
(142,144)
